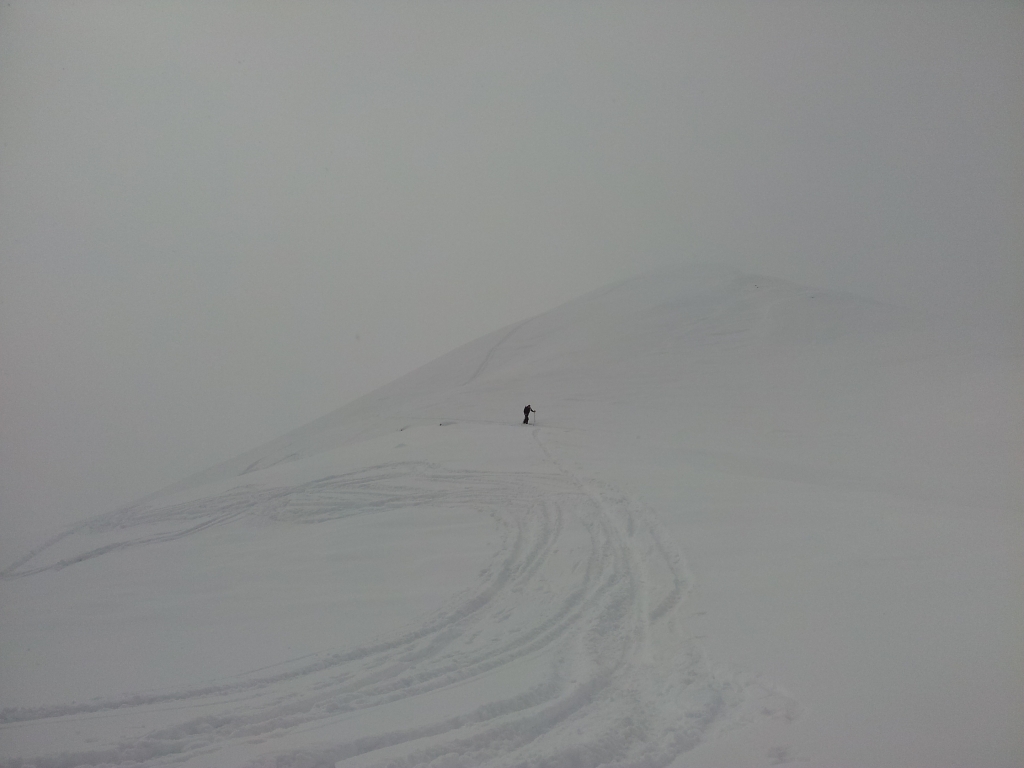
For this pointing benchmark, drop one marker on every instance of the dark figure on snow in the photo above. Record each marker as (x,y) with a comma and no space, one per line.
(526,414)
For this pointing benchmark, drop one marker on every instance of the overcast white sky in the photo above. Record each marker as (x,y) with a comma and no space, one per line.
(221,220)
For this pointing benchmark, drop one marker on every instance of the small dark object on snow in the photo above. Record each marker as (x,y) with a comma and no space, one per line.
(526,414)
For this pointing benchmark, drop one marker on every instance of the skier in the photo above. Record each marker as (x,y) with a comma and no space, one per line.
(526,414)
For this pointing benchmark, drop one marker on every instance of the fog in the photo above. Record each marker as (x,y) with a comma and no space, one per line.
(219,221)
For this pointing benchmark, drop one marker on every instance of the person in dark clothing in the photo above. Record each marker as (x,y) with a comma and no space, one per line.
(526,414)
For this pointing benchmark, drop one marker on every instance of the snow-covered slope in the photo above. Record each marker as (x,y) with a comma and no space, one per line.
(754,523)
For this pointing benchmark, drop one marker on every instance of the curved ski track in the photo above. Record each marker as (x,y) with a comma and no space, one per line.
(583,597)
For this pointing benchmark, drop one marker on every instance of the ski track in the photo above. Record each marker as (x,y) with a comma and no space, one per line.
(490,352)
(584,588)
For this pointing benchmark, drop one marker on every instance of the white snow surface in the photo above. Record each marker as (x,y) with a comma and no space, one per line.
(754,524)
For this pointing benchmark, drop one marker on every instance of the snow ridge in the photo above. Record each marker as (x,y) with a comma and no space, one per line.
(419,579)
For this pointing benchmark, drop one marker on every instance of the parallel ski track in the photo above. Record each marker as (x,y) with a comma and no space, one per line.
(583,584)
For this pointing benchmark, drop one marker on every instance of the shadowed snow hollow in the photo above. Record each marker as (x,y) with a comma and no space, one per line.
(754,523)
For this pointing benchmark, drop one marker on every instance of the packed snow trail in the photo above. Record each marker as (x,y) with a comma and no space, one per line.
(569,650)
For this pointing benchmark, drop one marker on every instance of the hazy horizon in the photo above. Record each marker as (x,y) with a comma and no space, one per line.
(220,221)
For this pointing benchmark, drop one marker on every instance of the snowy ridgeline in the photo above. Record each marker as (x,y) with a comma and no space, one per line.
(754,524)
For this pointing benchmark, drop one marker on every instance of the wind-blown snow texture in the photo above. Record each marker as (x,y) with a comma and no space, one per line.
(754,524)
